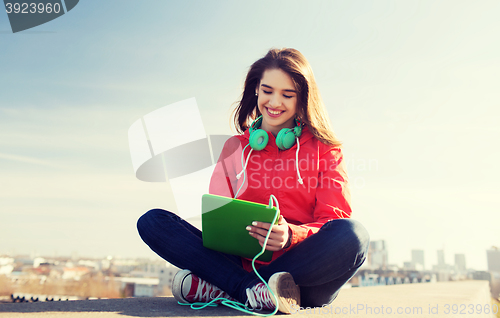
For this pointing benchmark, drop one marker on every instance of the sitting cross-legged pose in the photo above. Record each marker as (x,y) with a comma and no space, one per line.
(286,148)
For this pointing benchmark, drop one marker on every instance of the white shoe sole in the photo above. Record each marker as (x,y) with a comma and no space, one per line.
(288,293)
(177,285)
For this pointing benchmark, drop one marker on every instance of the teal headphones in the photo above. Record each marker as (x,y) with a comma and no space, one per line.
(285,139)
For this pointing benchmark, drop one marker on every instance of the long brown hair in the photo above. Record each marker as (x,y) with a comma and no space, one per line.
(310,107)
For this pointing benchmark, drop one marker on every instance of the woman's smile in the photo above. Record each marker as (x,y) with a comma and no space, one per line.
(274,112)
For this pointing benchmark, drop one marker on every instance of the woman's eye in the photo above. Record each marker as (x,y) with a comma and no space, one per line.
(266,92)
(286,96)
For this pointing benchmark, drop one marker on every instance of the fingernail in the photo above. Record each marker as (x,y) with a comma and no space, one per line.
(254,223)
(248,228)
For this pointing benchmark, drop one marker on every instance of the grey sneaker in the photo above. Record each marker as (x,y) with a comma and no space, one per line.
(285,289)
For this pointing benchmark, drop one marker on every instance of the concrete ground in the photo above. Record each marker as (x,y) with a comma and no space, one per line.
(444,299)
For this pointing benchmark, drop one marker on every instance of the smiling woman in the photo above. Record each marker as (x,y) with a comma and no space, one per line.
(316,247)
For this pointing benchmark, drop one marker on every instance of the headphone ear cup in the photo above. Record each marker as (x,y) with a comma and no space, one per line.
(258,139)
(285,139)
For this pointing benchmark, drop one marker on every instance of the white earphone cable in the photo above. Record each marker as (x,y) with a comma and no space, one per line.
(301,181)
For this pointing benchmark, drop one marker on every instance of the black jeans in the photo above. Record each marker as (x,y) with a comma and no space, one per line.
(320,264)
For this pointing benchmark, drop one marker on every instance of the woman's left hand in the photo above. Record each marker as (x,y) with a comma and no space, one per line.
(278,238)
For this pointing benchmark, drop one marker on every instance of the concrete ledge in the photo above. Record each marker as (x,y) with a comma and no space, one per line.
(418,300)
(411,300)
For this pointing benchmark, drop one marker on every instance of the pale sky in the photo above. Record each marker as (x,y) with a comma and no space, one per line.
(411,88)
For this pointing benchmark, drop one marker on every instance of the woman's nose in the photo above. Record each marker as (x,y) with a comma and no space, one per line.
(274,101)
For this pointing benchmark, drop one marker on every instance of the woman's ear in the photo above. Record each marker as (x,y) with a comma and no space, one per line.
(257,88)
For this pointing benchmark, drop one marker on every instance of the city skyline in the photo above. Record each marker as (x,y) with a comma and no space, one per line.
(378,257)
(411,91)
(491,255)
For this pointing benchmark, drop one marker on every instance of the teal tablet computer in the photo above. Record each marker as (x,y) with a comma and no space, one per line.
(224,221)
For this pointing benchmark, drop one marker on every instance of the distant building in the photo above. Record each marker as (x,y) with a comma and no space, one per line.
(161,270)
(166,276)
(38,260)
(139,286)
(417,258)
(6,265)
(444,271)
(460,262)
(123,266)
(481,275)
(493,256)
(75,273)
(408,266)
(441,263)
(377,254)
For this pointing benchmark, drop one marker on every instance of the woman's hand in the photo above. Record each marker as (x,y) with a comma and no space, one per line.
(279,237)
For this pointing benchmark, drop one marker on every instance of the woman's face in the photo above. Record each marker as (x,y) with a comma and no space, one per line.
(277,101)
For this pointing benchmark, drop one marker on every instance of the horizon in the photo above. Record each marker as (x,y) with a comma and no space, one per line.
(155,258)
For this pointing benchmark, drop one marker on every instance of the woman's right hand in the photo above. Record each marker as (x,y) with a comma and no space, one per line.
(278,239)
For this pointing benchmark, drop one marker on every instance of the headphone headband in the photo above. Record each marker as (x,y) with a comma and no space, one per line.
(284,140)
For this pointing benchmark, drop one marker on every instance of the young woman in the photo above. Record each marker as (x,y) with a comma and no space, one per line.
(288,150)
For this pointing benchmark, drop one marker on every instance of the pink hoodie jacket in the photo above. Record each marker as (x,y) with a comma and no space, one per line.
(323,196)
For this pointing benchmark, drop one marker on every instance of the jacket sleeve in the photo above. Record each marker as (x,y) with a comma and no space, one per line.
(223,181)
(333,197)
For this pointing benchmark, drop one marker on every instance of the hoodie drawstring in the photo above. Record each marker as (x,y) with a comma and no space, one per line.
(300,180)
(238,176)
